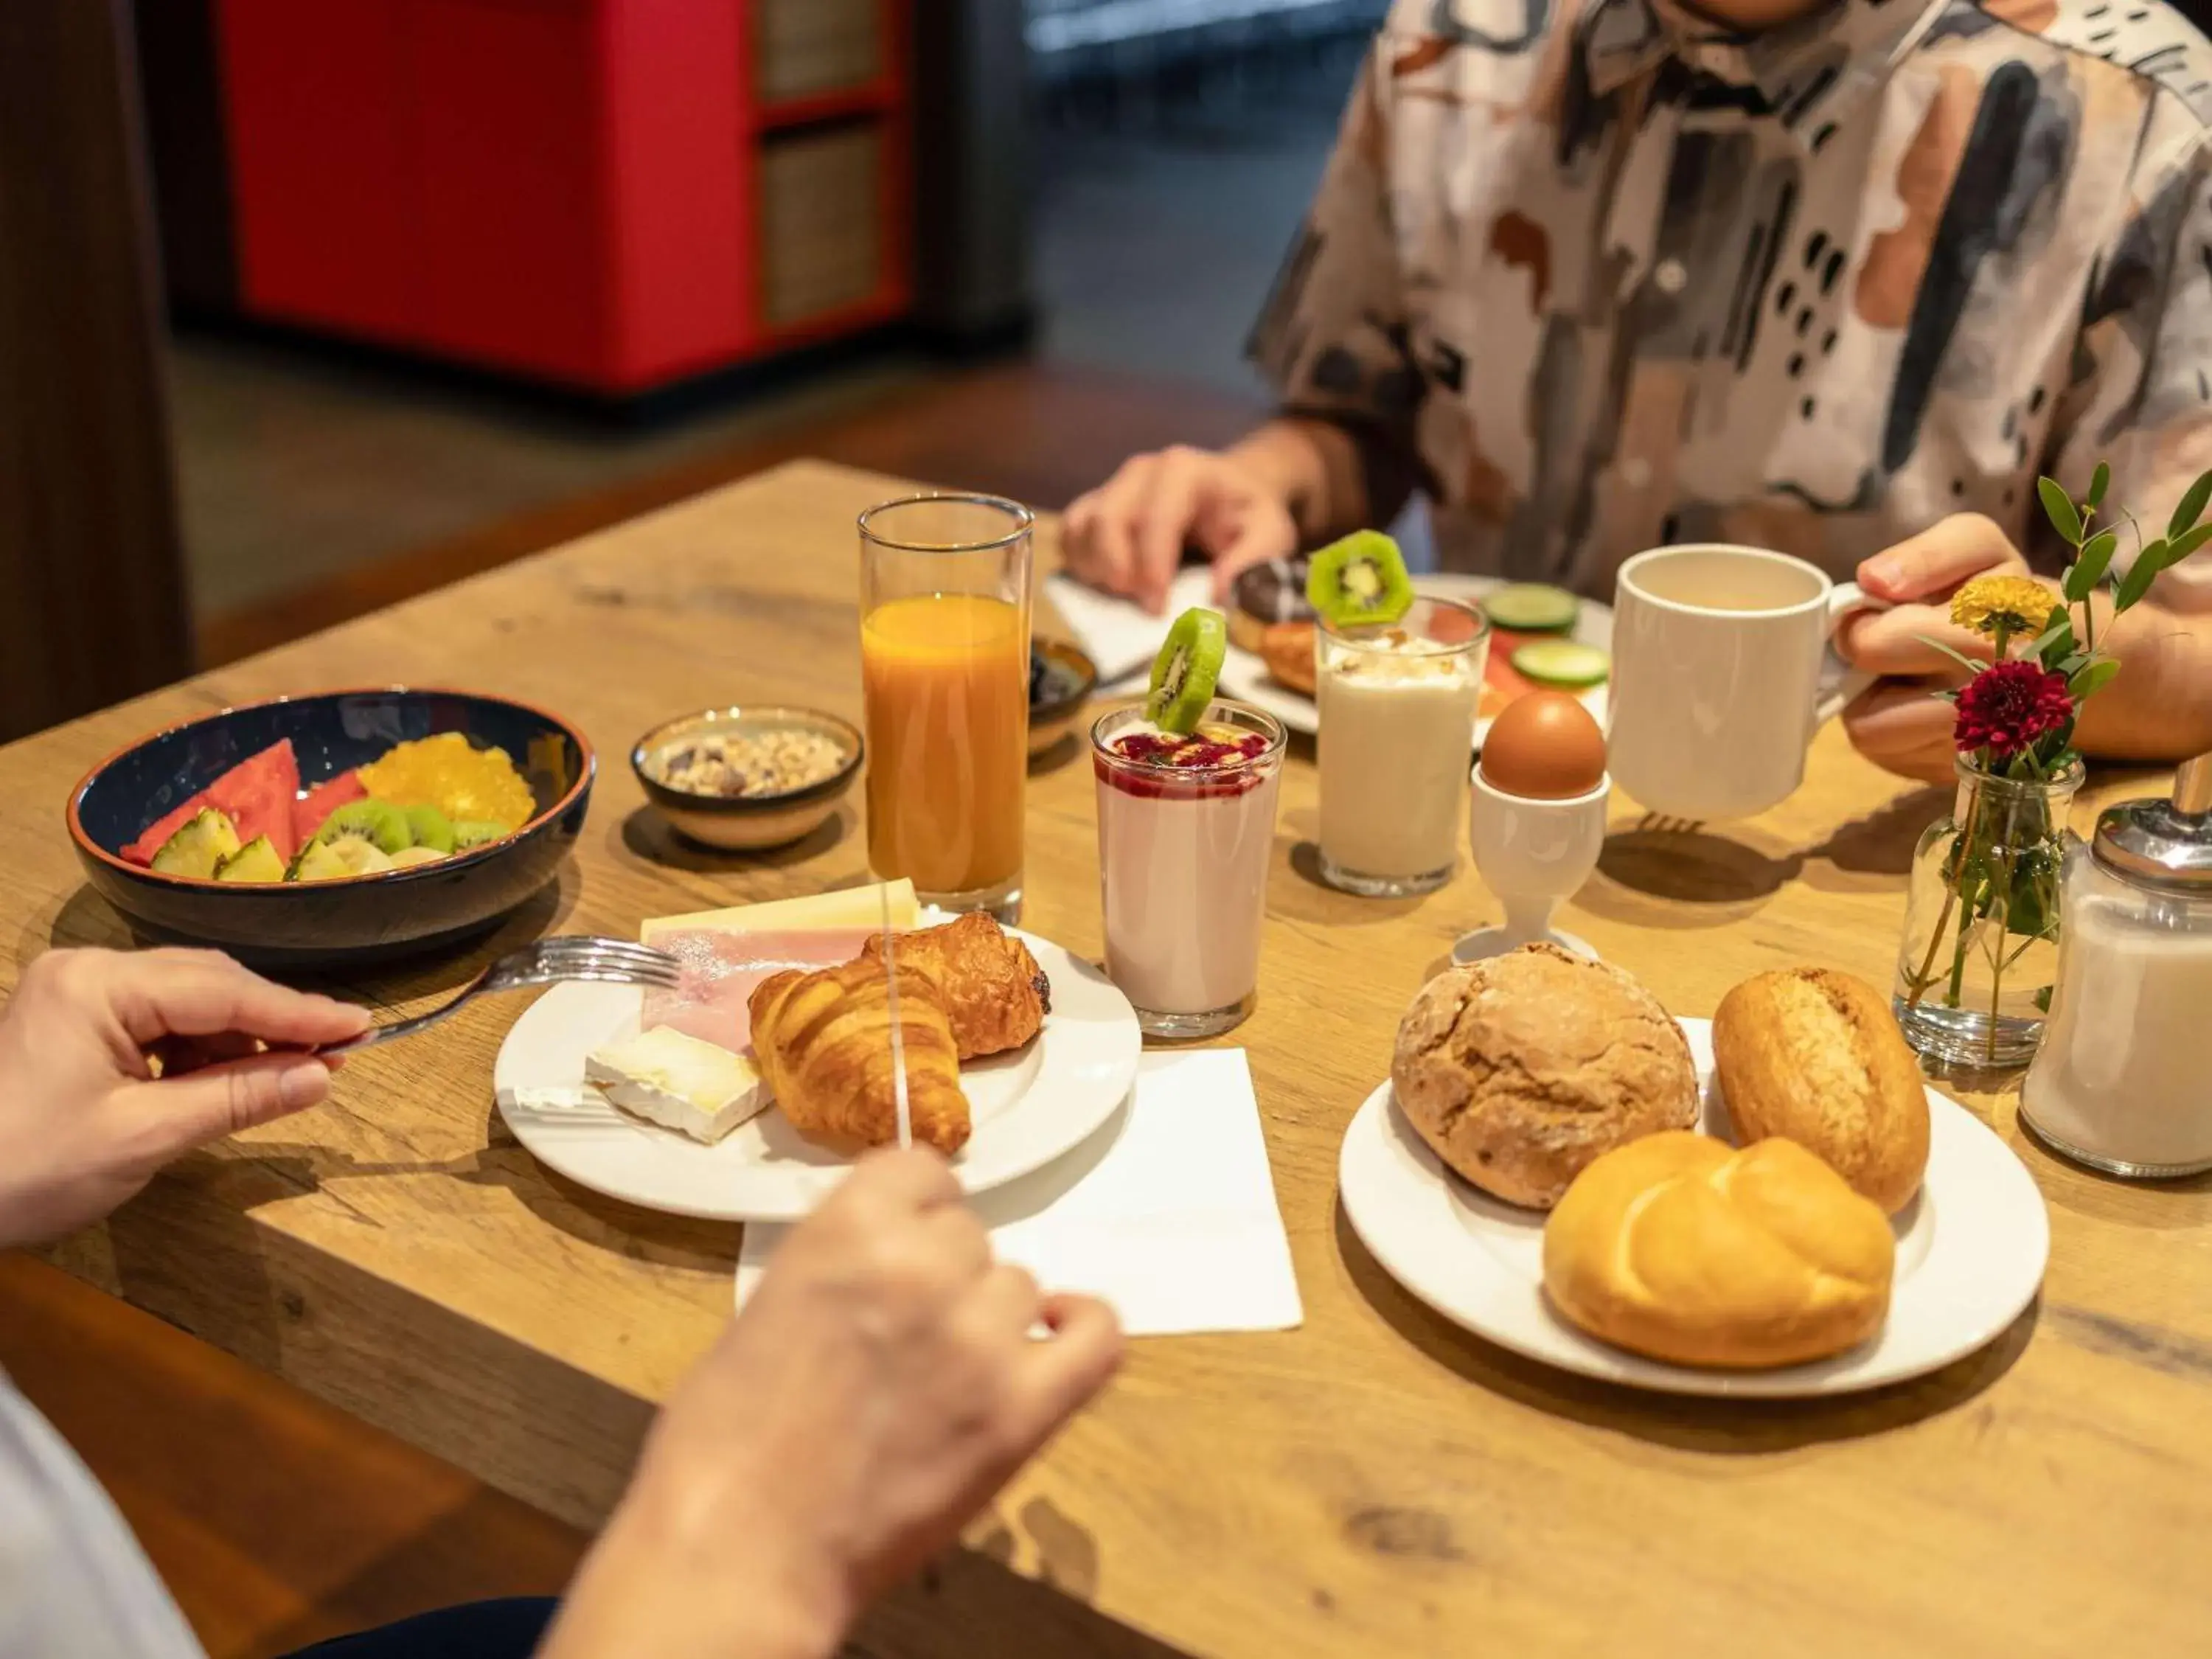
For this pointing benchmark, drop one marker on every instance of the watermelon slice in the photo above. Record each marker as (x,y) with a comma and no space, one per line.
(257,795)
(325,799)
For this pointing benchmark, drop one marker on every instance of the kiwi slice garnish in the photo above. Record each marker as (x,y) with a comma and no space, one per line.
(430,828)
(1359,581)
(474,832)
(380,823)
(1185,672)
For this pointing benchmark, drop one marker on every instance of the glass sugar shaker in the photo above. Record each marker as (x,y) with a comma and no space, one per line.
(2120,1083)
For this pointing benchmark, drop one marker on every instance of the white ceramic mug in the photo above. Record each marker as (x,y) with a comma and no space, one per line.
(1722,669)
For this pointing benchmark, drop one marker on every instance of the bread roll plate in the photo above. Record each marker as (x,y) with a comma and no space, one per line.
(1971,1250)
(1029,1107)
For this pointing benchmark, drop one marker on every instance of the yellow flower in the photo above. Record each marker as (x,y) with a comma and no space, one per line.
(2014,603)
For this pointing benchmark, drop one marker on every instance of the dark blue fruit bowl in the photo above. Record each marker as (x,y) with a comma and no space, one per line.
(326,923)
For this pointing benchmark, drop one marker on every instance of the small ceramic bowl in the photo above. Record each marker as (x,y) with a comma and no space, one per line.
(747,823)
(1070,677)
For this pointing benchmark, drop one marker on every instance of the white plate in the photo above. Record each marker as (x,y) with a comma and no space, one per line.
(1029,1106)
(1970,1253)
(1245,677)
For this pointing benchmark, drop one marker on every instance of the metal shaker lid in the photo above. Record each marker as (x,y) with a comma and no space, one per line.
(2165,844)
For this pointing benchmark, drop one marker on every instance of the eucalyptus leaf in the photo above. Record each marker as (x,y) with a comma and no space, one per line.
(2089,570)
(2190,507)
(2099,482)
(2055,643)
(2092,679)
(2184,545)
(2140,577)
(2059,507)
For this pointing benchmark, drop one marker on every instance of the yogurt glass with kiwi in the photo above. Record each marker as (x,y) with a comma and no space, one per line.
(1186,790)
(1186,836)
(1398,679)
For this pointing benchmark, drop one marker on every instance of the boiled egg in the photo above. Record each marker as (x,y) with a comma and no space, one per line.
(1544,747)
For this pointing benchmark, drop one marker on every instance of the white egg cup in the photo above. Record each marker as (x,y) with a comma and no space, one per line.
(1532,853)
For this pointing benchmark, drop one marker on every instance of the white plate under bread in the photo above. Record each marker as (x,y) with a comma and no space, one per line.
(1971,1250)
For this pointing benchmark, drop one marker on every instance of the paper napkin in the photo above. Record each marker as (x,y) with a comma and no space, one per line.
(1120,634)
(1168,1213)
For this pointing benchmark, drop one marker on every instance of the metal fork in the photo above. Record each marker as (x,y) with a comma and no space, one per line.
(549,962)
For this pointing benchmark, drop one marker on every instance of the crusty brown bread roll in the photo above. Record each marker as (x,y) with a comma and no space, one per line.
(1816,1055)
(1682,1247)
(1520,1070)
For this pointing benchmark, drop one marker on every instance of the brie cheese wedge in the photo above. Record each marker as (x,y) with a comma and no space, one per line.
(679,1082)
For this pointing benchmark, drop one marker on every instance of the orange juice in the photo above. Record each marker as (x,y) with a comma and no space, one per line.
(946,680)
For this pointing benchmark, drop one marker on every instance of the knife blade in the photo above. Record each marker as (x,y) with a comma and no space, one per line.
(898,1035)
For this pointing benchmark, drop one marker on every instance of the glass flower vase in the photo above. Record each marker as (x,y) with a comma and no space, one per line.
(1980,952)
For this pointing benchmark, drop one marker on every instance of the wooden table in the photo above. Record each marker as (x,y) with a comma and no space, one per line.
(1377,1483)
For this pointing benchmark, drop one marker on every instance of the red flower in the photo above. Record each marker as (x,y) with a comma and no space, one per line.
(2011,706)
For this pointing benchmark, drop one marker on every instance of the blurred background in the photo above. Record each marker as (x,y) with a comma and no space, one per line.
(305,308)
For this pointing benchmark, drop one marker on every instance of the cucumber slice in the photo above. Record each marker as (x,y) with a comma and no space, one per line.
(1562,662)
(1532,608)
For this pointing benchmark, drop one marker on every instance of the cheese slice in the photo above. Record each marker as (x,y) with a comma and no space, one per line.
(679,1082)
(852,907)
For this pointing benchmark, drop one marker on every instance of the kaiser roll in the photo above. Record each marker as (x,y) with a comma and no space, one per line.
(1519,1070)
(1685,1249)
(1815,1055)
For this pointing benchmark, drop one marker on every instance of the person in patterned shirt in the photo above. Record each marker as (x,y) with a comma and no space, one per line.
(1839,277)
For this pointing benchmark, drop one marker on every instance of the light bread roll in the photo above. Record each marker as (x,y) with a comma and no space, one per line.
(1518,1071)
(1680,1247)
(1816,1055)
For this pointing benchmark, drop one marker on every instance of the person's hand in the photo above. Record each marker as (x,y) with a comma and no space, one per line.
(1900,723)
(1128,535)
(876,1392)
(84,1122)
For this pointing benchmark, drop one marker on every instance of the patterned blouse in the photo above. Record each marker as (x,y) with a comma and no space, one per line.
(1617,276)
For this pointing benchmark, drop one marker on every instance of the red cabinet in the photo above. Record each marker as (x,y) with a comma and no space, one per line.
(595,192)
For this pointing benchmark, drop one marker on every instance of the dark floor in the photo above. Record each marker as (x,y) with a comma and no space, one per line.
(1156,237)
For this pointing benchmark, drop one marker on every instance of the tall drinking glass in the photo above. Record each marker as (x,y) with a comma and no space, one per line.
(945,664)
(1397,707)
(1186,831)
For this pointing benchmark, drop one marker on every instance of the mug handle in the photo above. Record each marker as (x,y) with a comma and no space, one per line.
(1839,680)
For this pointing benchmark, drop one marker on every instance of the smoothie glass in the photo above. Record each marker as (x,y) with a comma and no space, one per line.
(944,663)
(1183,855)
(1397,707)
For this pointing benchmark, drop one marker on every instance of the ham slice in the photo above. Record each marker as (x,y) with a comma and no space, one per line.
(722,968)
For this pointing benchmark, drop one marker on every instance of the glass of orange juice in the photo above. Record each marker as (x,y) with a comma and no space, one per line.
(945,670)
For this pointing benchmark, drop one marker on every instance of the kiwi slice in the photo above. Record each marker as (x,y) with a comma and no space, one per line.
(1359,581)
(474,832)
(199,848)
(430,828)
(380,823)
(1562,662)
(1184,673)
(257,860)
(1532,608)
(334,860)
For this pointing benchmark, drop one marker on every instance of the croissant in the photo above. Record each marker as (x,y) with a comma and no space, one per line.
(994,991)
(824,1041)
